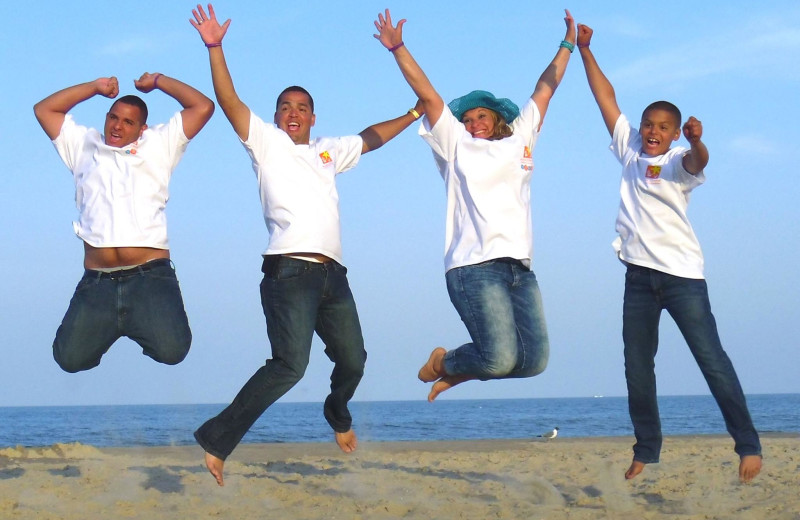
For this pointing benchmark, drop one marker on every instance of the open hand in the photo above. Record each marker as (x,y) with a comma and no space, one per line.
(207,25)
(389,35)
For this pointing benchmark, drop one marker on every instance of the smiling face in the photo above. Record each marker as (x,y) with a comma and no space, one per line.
(124,125)
(658,130)
(295,116)
(480,122)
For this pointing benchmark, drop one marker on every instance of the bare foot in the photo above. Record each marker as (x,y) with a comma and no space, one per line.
(347,441)
(214,465)
(749,467)
(635,469)
(433,369)
(446,383)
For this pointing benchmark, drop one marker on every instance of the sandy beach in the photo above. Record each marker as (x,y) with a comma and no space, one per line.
(566,478)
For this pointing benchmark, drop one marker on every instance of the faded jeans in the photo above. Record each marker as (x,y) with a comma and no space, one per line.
(500,303)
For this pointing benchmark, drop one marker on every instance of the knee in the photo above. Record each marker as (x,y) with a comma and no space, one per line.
(71,364)
(173,353)
(500,366)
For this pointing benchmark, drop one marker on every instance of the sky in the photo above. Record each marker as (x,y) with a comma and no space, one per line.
(737,70)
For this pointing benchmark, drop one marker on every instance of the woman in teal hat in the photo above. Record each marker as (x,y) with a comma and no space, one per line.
(482,146)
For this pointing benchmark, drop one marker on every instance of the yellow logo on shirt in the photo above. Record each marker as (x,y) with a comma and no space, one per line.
(326,157)
(653,172)
(526,162)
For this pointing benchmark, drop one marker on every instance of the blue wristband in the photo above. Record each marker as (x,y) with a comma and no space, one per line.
(567,45)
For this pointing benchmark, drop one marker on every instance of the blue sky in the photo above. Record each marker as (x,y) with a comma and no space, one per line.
(737,70)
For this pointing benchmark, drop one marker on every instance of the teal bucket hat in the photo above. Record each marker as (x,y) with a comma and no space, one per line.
(481,98)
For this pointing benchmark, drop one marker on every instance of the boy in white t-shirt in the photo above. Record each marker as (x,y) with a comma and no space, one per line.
(664,266)
(129,287)
(305,287)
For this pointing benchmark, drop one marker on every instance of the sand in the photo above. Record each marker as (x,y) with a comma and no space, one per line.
(565,478)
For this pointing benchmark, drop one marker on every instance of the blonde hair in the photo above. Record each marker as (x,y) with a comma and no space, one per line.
(501,128)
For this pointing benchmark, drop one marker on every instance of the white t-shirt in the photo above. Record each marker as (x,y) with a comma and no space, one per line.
(122,193)
(298,189)
(488,188)
(654,230)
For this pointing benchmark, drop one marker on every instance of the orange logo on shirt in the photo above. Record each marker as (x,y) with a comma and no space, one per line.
(653,172)
(326,157)
(526,153)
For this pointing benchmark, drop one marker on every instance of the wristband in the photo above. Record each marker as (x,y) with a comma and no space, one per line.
(155,81)
(583,45)
(567,45)
(218,44)
(392,49)
(414,113)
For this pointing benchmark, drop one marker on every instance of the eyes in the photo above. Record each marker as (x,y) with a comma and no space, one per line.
(481,116)
(128,122)
(300,108)
(663,127)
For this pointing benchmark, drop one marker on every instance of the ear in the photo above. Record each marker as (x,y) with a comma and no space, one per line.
(141,131)
(677,134)
(313,119)
(275,118)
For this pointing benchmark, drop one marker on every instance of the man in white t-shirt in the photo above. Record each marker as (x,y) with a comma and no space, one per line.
(305,287)
(664,266)
(121,179)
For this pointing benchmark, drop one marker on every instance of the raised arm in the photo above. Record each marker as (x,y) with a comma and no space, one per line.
(51,110)
(552,75)
(379,134)
(697,157)
(212,34)
(197,108)
(391,37)
(601,88)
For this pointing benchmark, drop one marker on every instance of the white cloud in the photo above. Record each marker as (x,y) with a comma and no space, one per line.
(753,144)
(127,47)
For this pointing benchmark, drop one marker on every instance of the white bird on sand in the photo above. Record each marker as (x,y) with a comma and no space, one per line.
(551,434)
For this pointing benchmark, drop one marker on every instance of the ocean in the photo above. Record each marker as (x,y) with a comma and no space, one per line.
(172,425)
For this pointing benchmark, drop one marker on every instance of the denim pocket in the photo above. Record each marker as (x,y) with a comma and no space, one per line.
(288,268)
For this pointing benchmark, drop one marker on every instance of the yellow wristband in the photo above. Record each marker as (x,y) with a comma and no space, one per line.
(414,113)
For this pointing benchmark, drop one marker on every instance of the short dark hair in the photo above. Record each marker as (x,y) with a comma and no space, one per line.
(137,102)
(667,107)
(295,88)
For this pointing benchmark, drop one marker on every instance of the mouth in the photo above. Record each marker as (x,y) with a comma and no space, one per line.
(293,126)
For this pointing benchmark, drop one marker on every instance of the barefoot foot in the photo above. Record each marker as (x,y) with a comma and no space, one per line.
(214,465)
(346,441)
(749,467)
(433,369)
(446,383)
(635,469)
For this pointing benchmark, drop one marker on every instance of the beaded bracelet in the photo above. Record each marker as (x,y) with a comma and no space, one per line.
(567,45)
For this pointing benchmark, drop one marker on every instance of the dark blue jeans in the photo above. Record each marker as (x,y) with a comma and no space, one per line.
(500,303)
(647,292)
(298,298)
(143,303)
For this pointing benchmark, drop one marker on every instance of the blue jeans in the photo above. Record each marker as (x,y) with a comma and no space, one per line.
(500,303)
(298,298)
(647,292)
(143,303)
